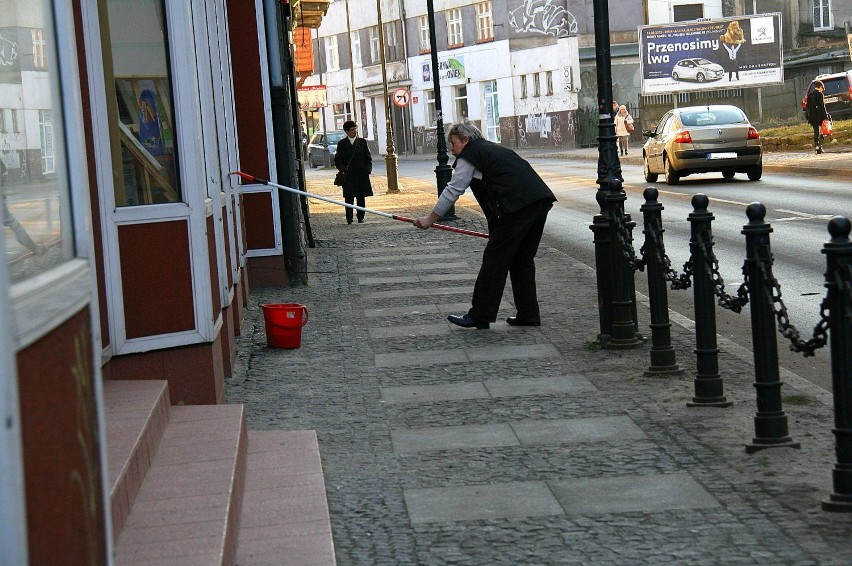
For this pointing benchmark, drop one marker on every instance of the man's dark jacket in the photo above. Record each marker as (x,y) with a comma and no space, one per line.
(356,160)
(508,182)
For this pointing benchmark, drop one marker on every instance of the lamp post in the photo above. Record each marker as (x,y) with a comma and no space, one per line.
(390,154)
(443,172)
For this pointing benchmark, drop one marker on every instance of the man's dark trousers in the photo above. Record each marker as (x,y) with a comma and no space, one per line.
(512,245)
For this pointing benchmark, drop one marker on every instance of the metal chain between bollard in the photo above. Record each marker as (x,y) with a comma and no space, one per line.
(682,281)
(797,344)
(625,239)
(724,300)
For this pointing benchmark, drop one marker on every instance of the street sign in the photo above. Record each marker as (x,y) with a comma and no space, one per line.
(401,97)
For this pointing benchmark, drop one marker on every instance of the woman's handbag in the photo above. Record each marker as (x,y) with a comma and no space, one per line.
(826,127)
(629,127)
(340,178)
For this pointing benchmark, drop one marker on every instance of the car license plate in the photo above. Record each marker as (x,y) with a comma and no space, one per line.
(727,155)
(831,99)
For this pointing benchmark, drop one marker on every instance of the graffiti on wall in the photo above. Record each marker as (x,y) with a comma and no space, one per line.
(546,17)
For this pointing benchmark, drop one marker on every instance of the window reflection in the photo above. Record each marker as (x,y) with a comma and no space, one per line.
(31,183)
(144,118)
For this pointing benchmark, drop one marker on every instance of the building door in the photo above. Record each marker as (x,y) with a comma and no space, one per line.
(491,124)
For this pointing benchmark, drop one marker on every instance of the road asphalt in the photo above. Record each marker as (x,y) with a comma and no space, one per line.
(519,445)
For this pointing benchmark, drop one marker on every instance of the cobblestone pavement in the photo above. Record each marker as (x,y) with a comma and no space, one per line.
(520,445)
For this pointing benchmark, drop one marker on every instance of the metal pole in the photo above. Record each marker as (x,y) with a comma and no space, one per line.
(662,353)
(838,281)
(601,237)
(770,422)
(390,155)
(352,67)
(709,388)
(623,334)
(443,172)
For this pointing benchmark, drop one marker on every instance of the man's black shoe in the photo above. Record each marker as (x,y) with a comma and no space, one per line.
(467,321)
(514,321)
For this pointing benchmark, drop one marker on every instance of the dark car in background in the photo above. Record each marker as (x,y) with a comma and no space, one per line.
(702,139)
(838,94)
(323,146)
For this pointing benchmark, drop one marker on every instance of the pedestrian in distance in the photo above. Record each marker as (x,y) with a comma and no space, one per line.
(815,112)
(623,127)
(515,201)
(354,160)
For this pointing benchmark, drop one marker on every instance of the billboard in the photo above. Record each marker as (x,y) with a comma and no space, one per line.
(312,97)
(709,55)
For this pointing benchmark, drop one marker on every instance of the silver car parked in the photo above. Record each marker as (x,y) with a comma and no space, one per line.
(701,139)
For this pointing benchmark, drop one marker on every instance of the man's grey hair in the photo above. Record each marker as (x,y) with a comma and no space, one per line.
(465,132)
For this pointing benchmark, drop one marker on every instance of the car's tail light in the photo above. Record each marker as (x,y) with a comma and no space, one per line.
(752,133)
(683,137)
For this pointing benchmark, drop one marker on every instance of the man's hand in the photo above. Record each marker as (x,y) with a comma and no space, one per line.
(425,221)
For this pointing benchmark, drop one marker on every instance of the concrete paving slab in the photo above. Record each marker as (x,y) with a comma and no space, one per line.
(408,310)
(479,502)
(396,280)
(422,358)
(402,293)
(415,257)
(414,267)
(623,494)
(397,250)
(495,353)
(452,437)
(423,394)
(529,386)
(411,330)
(566,431)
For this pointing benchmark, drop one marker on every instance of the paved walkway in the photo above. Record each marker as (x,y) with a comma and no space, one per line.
(520,445)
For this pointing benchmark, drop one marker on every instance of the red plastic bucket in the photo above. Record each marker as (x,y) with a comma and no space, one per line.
(284,324)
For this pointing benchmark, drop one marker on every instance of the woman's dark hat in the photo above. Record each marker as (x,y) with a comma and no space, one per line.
(348,125)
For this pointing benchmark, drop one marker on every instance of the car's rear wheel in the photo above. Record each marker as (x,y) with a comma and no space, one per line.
(672,177)
(728,173)
(311,161)
(700,77)
(755,173)
(649,177)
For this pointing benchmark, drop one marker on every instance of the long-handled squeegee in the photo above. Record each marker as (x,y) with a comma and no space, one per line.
(253,179)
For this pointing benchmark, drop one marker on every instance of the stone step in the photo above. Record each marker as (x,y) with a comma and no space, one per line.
(137,412)
(285,516)
(188,508)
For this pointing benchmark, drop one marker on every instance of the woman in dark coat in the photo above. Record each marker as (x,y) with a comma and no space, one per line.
(353,156)
(816,113)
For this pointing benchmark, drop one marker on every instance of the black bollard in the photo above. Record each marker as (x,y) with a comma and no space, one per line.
(709,387)
(662,353)
(770,422)
(601,235)
(838,281)
(623,335)
(631,281)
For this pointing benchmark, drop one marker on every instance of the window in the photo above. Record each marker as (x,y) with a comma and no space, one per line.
(491,111)
(524,90)
(431,119)
(342,112)
(548,79)
(332,61)
(392,51)
(460,100)
(48,148)
(536,84)
(143,127)
(39,60)
(484,23)
(822,14)
(356,50)
(454,28)
(687,12)
(3,120)
(425,44)
(374,44)
(16,124)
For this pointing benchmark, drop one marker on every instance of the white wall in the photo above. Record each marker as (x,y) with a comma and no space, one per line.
(660,11)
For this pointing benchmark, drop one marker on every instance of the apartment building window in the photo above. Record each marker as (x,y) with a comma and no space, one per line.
(687,12)
(524,91)
(392,51)
(356,49)
(332,61)
(374,44)
(39,59)
(3,121)
(536,84)
(425,45)
(485,25)
(822,15)
(431,120)
(454,28)
(548,79)
(460,99)
(342,112)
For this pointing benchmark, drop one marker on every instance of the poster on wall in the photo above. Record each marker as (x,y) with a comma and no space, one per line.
(312,97)
(735,52)
(449,69)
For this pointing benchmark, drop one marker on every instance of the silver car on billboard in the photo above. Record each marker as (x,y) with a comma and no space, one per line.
(702,139)
(697,70)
